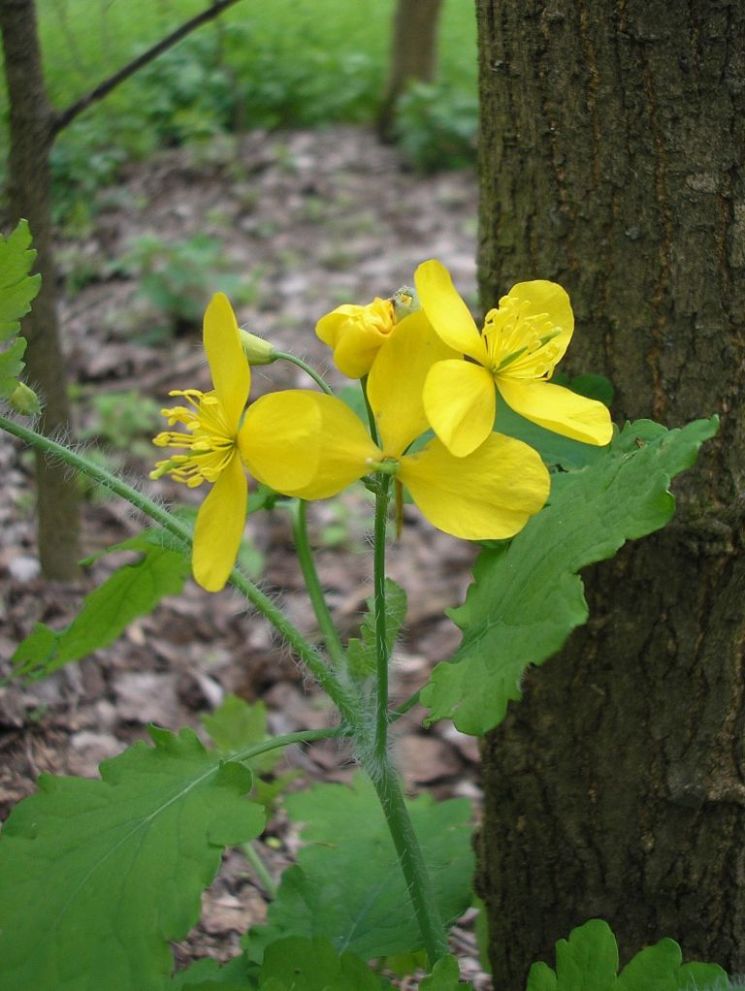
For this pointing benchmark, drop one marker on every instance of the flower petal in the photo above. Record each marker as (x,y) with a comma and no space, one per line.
(230,372)
(396,381)
(460,402)
(558,409)
(551,299)
(305,443)
(488,495)
(220,522)
(447,312)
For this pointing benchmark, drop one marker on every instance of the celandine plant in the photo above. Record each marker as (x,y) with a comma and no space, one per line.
(98,877)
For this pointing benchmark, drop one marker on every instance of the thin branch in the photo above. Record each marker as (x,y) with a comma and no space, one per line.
(64,117)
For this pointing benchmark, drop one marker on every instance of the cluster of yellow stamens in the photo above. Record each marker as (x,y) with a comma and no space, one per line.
(208,439)
(521,341)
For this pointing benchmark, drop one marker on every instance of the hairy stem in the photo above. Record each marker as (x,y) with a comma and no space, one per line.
(308,369)
(410,856)
(318,600)
(305,651)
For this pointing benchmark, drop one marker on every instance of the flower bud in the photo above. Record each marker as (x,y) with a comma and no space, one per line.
(24,400)
(256,349)
(405,301)
(356,333)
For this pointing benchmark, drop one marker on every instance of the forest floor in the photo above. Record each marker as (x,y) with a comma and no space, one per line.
(307,220)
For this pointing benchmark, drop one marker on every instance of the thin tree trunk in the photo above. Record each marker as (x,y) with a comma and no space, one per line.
(413,55)
(612,148)
(31,120)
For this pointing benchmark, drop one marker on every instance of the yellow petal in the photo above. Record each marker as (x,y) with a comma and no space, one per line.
(549,298)
(396,381)
(220,522)
(488,495)
(460,402)
(558,409)
(305,443)
(447,312)
(228,366)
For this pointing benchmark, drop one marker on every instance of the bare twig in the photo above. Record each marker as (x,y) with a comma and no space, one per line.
(64,117)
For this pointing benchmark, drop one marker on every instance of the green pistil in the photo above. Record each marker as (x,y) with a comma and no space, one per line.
(509,359)
(388,466)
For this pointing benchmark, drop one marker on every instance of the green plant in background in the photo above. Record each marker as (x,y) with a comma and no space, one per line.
(97,877)
(307,63)
(176,278)
(436,126)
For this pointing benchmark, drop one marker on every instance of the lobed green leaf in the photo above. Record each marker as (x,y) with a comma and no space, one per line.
(445,976)
(347,885)
(588,961)
(527,596)
(11,366)
(17,287)
(362,651)
(96,877)
(133,590)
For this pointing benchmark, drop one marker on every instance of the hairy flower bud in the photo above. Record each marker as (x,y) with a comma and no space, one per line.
(256,349)
(24,400)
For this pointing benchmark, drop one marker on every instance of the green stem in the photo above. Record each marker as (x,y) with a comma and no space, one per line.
(410,856)
(381,635)
(312,583)
(302,736)
(262,871)
(404,707)
(307,653)
(370,413)
(308,369)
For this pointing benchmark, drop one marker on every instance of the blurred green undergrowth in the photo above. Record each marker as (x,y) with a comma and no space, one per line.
(294,63)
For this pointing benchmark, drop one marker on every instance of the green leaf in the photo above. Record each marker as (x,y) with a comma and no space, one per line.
(11,366)
(445,976)
(134,590)
(17,287)
(527,596)
(97,876)
(236,724)
(298,964)
(208,975)
(347,885)
(361,652)
(588,961)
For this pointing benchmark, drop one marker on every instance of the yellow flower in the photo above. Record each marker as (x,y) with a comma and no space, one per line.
(356,333)
(212,422)
(311,445)
(517,350)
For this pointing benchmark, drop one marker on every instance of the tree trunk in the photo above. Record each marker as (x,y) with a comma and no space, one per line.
(413,55)
(29,187)
(612,149)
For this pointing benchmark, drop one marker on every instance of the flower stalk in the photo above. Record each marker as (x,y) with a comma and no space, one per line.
(312,583)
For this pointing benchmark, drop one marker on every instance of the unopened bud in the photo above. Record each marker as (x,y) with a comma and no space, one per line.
(256,349)
(24,400)
(405,301)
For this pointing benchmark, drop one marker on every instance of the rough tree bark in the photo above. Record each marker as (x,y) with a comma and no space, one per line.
(31,122)
(612,149)
(413,55)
